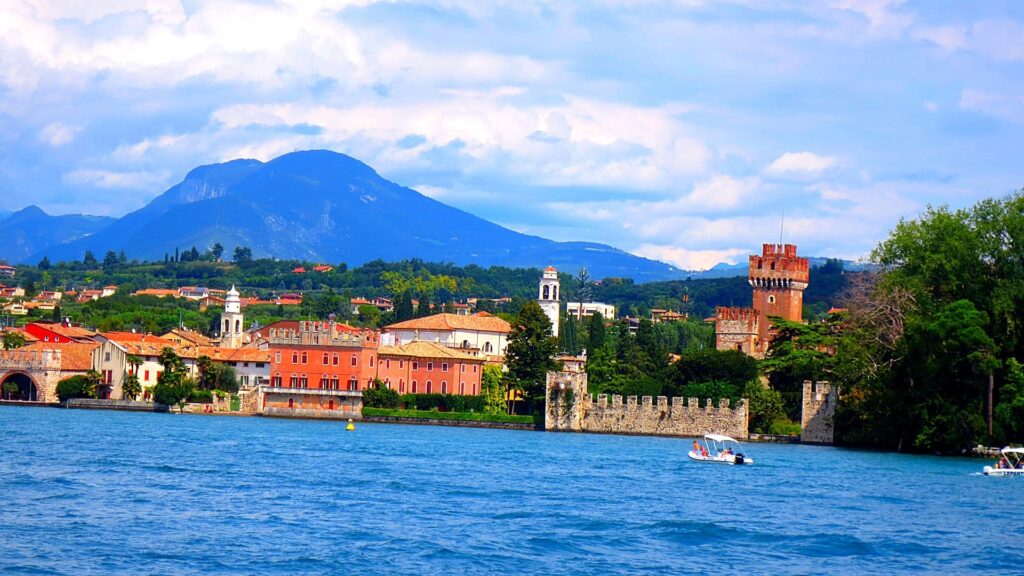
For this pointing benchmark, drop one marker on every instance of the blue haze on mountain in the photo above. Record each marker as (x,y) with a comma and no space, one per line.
(327,207)
(31,230)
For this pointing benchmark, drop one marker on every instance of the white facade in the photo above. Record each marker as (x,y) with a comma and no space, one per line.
(488,343)
(547,297)
(232,324)
(589,309)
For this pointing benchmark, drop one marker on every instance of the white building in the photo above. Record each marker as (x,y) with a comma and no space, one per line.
(547,297)
(481,332)
(589,309)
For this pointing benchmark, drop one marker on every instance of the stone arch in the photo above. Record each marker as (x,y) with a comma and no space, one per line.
(547,292)
(28,390)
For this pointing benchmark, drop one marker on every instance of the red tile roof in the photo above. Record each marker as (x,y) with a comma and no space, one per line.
(479,322)
(74,356)
(422,349)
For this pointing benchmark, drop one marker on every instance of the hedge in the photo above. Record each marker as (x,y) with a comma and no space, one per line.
(434,414)
(442,402)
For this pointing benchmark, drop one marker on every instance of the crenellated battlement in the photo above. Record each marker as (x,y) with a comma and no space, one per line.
(637,415)
(780,264)
(818,411)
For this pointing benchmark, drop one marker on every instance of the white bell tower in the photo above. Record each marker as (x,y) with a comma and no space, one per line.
(232,324)
(547,297)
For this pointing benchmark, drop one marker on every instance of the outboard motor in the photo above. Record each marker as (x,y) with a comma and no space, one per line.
(738,459)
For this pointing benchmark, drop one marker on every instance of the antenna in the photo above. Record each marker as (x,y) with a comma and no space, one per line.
(782,225)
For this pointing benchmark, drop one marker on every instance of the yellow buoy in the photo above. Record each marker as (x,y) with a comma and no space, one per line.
(351,425)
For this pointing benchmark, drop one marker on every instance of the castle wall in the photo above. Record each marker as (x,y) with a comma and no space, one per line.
(570,408)
(819,408)
(736,329)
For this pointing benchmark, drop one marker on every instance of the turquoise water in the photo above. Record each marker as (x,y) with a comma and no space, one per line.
(86,492)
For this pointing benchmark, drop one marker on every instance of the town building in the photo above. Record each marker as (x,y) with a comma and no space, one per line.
(778,278)
(59,333)
(7,271)
(588,309)
(421,367)
(320,355)
(111,359)
(481,333)
(252,366)
(547,297)
(185,337)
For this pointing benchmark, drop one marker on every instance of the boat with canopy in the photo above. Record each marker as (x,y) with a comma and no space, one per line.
(719,449)
(1010,463)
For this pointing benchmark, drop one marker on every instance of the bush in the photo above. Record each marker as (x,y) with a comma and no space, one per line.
(381,397)
(442,402)
(436,415)
(201,397)
(75,387)
(784,427)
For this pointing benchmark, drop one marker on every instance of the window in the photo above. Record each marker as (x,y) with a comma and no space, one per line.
(353,384)
(444,387)
(463,368)
(324,382)
(46,338)
(159,373)
(415,365)
(303,382)
(413,386)
(355,360)
(444,367)
(291,402)
(145,376)
(277,357)
(401,386)
(771,299)
(277,380)
(303,357)
(106,357)
(336,359)
(335,383)
(327,359)
(401,363)
(293,381)
(259,364)
(387,363)
(430,387)
(487,347)
(371,361)
(474,369)
(330,405)
(430,366)
(462,388)
(295,357)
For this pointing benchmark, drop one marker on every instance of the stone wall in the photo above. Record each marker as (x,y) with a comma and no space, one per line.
(819,408)
(43,367)
(571,408)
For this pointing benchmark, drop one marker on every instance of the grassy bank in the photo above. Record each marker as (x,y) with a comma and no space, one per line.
(435,415)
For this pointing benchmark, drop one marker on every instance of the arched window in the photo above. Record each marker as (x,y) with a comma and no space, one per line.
(554,292)
(414,387)
(430,387)
(295,357)
(444,387)
(304,358)
(227,325)
(326,358)
(462,388)
(401,386)
(353,384)
(487,347)
(355,361)
(546,293)
(238,326)
(771,299)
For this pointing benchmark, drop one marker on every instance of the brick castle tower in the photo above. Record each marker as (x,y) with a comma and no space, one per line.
(778,278)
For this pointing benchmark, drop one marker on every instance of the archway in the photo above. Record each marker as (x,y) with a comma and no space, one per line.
(27,390)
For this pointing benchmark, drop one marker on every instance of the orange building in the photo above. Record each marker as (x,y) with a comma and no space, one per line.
(321,355)
(429,368)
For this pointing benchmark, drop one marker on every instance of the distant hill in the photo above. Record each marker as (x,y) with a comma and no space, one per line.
(30,231)
(323,206)
(727,270)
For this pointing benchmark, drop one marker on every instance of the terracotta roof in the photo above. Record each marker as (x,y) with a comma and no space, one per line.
(478,322)
(146,344)
(421,349)
(550,269)
(157,292)
(72,332)
(28,337)
(189,336)
(74,356)
(235,354)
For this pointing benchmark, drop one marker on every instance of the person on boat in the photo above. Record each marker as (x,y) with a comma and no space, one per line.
(696,447)
(704,452)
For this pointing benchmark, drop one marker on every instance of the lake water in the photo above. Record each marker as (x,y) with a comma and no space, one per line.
(85,492)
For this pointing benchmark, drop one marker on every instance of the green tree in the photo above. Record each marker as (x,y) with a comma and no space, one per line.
(10,388)
(13,339)
(569,340)
(217,250)
(423,308)
(44,263)
(131,388)
(492,390)
(89,259)
(531,351)
(173,386)
(242,255)
(369,315)
(596,332)
(584,291)
(110,260)
(76,387)
(403,307)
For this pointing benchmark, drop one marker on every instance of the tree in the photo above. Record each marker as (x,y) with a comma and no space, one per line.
(217,250)
(89,259)
(492,390)
(378,395)
(403,307)
(531,351)
(596,336)
(76,387)
(131,388)
(423,308)
(569,340)
(369,315)
(13,339)
(44,263)
(173,386)
(242,255)
(110,260)
(9,389)
(584,290)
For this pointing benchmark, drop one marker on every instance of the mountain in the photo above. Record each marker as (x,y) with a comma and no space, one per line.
(30,231)
(727,270)
(323,206)
(4,214)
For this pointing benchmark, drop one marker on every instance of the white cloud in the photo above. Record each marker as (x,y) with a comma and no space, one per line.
(690,259)
(998,39)
(56,134)
(1004,106)
(801,163)
(141,180)
(945,37)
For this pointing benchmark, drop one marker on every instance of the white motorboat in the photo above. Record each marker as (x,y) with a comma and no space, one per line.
(1010,463)
(719,449)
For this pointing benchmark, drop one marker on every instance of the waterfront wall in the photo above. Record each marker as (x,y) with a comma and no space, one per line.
(127,405)
(446,422)
(819,408)
(570,408)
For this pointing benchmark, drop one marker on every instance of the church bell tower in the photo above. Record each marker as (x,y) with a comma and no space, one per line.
(547,297)
(232,324)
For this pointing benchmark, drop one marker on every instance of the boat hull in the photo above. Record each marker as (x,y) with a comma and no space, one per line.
(728,460)
(990,471)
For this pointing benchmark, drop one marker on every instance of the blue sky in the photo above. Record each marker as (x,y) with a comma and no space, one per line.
(676,130)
